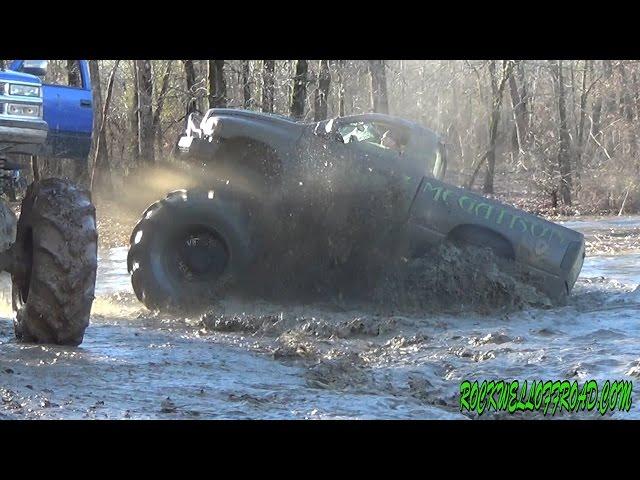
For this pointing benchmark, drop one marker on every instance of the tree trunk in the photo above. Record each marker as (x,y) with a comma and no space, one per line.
(564,158)
(626,104)
(524,97)
(145,112)
(379,99)
(497,90)
(341,88)
(217,84)
(157,116)
(268,85)
(299,95)
(246,85)
(80,167)
(610,98)
(190,74)
(100,156)
(580,144)
(636,92)
(518,103)
(322,92)
(103,169)
(135,156)
(626,110)
(597,113)
(73,73)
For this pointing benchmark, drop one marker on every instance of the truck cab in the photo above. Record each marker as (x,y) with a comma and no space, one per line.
(46,111)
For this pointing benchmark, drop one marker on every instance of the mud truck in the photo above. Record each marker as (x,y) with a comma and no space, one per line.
(266,165)
(51,250)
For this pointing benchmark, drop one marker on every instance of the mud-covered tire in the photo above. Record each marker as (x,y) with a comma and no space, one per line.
(159,277)
(56,252)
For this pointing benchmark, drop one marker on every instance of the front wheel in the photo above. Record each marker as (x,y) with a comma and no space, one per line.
(56,260)
(186,250)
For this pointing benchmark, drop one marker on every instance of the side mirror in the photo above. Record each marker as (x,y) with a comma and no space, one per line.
(35,67)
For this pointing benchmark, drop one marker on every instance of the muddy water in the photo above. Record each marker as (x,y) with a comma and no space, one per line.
(262,360)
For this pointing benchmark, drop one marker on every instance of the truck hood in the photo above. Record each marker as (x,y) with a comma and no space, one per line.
(11,76)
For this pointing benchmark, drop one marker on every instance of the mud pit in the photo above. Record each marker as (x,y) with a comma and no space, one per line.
(253,359)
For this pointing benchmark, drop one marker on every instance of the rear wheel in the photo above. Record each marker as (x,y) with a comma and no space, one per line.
(56,259)
(187,250)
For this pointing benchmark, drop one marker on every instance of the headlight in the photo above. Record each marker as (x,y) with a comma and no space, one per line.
(22,109)
(24,90)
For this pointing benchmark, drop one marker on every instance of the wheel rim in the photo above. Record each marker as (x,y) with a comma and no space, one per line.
(197,254)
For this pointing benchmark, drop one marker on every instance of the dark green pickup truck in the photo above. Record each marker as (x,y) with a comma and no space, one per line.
(195,238)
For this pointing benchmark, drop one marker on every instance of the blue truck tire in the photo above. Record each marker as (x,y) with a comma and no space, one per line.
(56,242)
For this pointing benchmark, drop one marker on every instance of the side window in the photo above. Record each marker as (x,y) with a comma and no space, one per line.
(360,132)
(65,73)
(386,137)
(394,138)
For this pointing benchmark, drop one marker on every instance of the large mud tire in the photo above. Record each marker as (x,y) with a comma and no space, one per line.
(159,276)
(56,250)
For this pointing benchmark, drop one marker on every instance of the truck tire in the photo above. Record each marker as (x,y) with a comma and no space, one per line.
(187,250)
(56,249)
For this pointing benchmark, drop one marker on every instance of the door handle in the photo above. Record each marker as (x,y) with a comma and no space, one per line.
(85,103)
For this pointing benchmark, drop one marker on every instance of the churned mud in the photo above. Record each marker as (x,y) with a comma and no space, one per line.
(446,317)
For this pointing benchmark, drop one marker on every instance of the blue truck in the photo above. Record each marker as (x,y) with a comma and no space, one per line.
(51,250)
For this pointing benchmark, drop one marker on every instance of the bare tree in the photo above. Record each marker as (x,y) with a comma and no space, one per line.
(135,155)
(190,77)
(246,85)
(497,90)
(160,101)
(100,156)
(268,85)
(587,70)
(596,116)
(73,73)
(103,169)
(519,104)
(145,112)
(497,84)
(217,84)
(379,98)
(322,92)
(341,88)
(299,94)
(564,159)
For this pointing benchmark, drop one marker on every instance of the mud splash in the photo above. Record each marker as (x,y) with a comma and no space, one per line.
(455,279)
(321,359)
(341,238)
